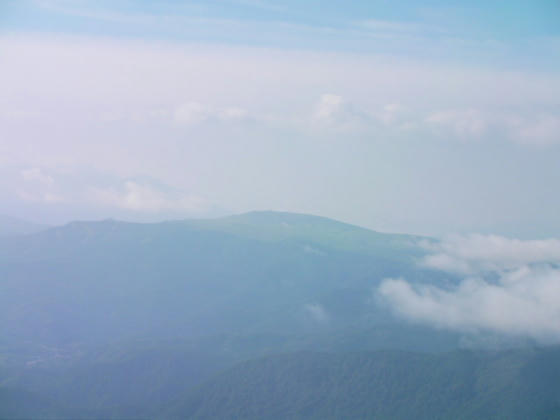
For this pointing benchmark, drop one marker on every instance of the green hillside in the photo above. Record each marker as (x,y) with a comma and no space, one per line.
(281,226)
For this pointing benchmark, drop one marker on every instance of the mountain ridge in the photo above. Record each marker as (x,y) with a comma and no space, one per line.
(266,226)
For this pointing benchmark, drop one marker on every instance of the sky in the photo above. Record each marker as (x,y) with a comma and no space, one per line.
(432,117)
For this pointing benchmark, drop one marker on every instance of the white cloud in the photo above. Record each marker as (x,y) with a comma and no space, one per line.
(37,174)
(38,186)
(144,198)
(511,287)
(333,111)
(542,129)
(100,193)
(329,106)
(233,113)
(464,123)
(524,127)
(391,113)
(40,197)
(524,302)
(192,113)
(474,253)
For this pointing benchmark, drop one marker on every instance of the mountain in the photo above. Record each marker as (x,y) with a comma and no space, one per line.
(383,385)
(10,226)
(94,281)
(112,319)
(281,226)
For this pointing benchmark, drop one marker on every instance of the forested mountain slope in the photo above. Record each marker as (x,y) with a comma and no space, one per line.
(384,385)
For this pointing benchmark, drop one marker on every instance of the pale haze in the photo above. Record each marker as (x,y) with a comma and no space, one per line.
(421,123)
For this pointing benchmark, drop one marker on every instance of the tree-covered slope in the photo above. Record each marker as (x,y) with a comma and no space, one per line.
(21,404)
(384,385)
(118,319)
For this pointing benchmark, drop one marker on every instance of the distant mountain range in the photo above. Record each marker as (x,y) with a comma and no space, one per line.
(112,319)
(10,226)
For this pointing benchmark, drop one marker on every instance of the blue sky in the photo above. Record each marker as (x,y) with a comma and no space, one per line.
(510,31)
(498,19)
(425,117)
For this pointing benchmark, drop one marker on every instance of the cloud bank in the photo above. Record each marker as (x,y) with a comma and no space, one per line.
(509,287)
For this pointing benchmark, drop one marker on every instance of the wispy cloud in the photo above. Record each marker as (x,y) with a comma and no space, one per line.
(257,22)
(84,187)
(192,113)
(541,129)
(38,186)
(317,312)
(526,127)
(261,4)
(145,198)
(469,123)
(400,29)
(333,111)
(85,10)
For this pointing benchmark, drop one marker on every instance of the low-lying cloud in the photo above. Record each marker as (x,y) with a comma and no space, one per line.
(509,287)
(471,254)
